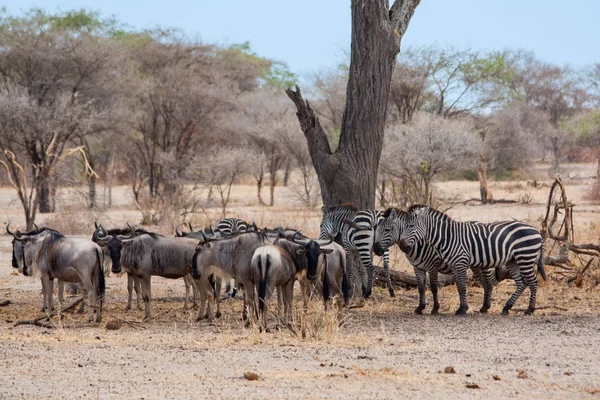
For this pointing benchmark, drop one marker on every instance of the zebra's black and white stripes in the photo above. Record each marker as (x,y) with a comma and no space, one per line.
(424,258)
(480,245)
(356,229)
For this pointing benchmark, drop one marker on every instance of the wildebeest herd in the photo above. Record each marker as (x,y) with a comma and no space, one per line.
(261,261)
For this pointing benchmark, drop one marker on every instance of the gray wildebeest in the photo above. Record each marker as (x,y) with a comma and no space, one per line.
(19,262)
(228,258)
(146,254)
(68,259)
(111,240)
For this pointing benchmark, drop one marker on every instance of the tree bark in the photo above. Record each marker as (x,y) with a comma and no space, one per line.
(349,175)
(486,196)
(45,201)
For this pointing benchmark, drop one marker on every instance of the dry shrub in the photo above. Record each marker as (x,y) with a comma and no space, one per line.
(74,221)
(595,192)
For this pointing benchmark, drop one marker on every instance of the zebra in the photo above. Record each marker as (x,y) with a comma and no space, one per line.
(356,230)
(424,259)
(229,226)
(480,245)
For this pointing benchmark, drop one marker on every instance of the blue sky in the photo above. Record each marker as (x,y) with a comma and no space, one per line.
(313,34)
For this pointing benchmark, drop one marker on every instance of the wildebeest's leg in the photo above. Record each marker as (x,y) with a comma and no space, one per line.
(130,291)
(51,294)
(433,285)
(60,288)
(146,295)
(188,284)
(138,291)
(201,284)
(460,275)
(288,297)
(488,287)
(45,289)
(305,289)
(421,285)
(218,283)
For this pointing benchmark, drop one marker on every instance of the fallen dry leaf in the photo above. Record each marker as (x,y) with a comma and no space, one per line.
(449,370)
(471,385)
(522,374)
(496,377)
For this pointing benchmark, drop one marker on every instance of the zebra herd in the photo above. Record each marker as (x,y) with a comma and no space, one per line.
(262,260)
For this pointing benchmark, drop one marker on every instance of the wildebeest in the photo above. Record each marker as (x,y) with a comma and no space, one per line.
(112,240)
(67,259)
(230,257)
(19,262)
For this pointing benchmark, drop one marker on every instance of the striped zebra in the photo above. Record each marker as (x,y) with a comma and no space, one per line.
(479,245)
(230,226)
(425,260)
(356,229)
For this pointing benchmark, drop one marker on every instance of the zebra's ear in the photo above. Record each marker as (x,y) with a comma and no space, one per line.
(394,214)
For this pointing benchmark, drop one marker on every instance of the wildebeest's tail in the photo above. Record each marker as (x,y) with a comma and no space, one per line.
(540,267)
(213,286)
(345,283)
(262,283)
(195,273)
(326,293)
(101,290)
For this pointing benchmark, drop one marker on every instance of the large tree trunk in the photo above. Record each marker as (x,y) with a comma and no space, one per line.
(486,195)
(349,175)
(46,202)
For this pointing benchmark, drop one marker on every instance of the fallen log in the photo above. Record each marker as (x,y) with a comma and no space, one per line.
(48,321)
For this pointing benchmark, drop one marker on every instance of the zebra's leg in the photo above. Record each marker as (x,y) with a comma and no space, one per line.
(433,285)
(528,273)
(421,284)
(349,271)
(488,285)
(460,275)
(515,274)
(365,269)
(386,268)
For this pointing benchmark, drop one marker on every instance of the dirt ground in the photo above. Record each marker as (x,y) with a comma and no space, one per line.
(381,350)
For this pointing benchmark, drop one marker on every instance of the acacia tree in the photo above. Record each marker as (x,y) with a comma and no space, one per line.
(61,61)
(349,174)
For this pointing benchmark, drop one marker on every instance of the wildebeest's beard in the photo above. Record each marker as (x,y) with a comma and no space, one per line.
(15,264)
(114,249)
(313,251)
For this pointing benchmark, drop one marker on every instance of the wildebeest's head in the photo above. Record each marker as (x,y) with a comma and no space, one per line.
(311,250)
(113,241)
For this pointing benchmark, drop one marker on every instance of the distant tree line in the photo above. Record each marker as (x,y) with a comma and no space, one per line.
(86,99)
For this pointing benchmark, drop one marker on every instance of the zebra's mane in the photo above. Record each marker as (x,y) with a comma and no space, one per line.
(429,211)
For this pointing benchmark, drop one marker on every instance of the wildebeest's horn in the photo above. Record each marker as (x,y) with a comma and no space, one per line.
(95,225)
(190,225)
(177,231)
(9,231)
(326,242)
(35,225)
(203,237)
(210,229)
(302,242)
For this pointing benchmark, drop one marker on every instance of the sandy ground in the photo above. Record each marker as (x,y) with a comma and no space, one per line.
(382,350)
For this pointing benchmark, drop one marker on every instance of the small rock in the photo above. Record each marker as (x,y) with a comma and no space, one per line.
(468,375)
(496,377)
(322,364)
(522,374)
(80,365)
(568,373)
(97,337)
(471,385)
(113,324)
(251,376)
(449,370)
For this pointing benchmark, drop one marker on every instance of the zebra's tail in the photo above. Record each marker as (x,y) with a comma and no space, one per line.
(540,267)
(326,293)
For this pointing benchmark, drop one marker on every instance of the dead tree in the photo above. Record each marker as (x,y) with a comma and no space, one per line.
(349,174)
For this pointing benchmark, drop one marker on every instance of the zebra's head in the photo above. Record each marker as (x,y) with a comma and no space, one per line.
(388,230)
(413,229)
(328,226)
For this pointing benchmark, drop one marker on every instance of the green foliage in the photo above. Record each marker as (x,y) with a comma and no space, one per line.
(583,128)
(38,21)
(280,77)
